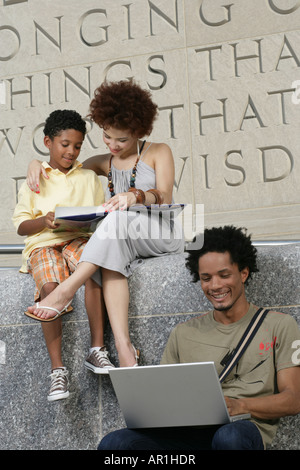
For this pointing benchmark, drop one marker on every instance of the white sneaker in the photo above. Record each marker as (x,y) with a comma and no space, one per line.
(59,387)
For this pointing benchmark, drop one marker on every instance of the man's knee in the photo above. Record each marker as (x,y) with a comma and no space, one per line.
(240,435)
(121,439)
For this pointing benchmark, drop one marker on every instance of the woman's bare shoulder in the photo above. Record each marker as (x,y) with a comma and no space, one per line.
(159,146)
(159,149)
(161,152)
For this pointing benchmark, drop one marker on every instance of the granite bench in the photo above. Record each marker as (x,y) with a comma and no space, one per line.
(162,295)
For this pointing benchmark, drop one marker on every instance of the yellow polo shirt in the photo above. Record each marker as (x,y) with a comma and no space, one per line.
(79,187)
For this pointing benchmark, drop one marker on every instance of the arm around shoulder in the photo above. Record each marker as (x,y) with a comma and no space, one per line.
(34,172)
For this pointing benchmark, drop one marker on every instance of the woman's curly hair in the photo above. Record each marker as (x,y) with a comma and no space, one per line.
(225,239)
(124,105)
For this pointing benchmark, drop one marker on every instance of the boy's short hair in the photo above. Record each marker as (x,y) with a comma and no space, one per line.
(61,120)
(229,239)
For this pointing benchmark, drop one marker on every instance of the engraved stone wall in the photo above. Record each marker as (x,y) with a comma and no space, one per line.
(225,76)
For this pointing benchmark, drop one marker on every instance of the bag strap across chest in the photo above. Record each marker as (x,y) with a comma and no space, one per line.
(236,354)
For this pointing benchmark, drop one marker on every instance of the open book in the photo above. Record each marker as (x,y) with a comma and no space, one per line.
(86,219)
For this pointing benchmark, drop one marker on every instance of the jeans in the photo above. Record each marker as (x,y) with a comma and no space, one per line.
(239,435)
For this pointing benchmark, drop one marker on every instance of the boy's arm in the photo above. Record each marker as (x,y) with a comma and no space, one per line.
(32,226)
(25,218)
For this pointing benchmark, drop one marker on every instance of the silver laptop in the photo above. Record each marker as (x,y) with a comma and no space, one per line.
(171,395)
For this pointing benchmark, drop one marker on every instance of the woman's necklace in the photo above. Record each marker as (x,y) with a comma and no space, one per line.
(133,174)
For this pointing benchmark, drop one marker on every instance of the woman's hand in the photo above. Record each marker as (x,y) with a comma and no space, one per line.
(120,201)
(35,169)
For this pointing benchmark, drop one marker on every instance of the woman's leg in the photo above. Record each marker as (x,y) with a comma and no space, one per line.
(116,297)
(64,293)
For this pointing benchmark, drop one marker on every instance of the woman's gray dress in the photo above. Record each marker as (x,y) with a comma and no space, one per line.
(124,238)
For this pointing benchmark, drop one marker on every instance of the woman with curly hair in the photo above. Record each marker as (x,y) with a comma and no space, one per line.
(138,172)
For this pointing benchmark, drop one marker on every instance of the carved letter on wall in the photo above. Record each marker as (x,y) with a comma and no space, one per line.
(82,35)
(14,44)
(233,166)
(281,11)
(216,23)
(289,162)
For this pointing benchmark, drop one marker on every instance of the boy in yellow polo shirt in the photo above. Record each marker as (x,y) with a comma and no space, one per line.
(51,256)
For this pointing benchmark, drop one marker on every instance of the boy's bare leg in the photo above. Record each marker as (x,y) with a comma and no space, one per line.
(98,357)
(117,309)
(96,312)
(52,332)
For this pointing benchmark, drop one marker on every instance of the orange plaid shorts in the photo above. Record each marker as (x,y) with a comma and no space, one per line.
(54,263)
